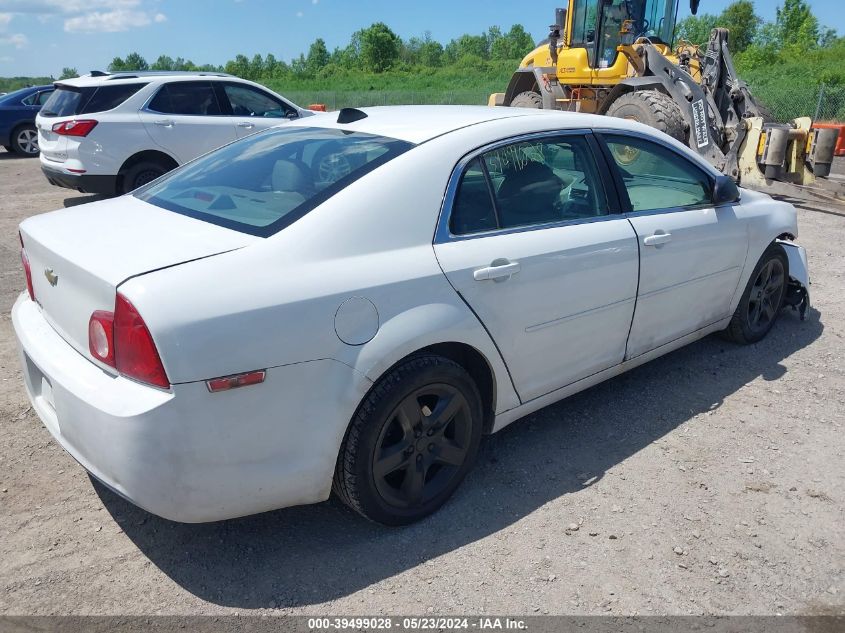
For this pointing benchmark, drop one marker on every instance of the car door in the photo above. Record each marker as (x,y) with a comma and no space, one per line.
(252,109)
(691,253)
(185,119)
(529,239)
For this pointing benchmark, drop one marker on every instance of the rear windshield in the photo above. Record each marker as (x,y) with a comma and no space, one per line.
(263,183)
(71,101)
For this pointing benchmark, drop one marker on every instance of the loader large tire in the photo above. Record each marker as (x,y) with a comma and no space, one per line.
(652,108)
(528,99)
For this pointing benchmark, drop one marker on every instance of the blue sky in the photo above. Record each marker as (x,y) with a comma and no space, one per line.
(39,37)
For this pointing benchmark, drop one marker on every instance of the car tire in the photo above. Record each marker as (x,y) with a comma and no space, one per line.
(25,141)
(140,174)
(528,99)
(411,442)
(9,148)
(762,300)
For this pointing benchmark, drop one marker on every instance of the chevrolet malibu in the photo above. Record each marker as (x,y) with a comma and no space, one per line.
(350,302)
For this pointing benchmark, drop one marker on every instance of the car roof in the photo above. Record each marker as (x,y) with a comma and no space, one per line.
(418,124)
(99,78)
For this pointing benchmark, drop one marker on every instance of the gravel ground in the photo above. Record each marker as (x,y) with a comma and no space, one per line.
(709,481)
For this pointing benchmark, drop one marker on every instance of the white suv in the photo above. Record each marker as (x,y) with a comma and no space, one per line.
(111,133)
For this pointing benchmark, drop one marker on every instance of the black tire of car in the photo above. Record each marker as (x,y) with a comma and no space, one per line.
(741,329)
(22,147)
(651,108)
(355,481)
(9,148)
(528,99)
(142,173)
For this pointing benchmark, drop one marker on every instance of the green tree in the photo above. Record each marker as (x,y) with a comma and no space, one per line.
(318,57)
(696,28)
(256,68)
(739,18)
(379,48)
(134,61)
(117,64)
(68,73)
(239,67)
(796,25)
(515,44)
(163,62)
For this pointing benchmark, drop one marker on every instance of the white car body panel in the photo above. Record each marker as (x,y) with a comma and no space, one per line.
(572,281)
(186,137)
(219,302)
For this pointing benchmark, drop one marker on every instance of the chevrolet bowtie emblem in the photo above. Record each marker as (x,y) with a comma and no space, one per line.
(52,277)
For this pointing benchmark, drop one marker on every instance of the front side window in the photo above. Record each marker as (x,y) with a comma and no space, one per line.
(247,101)
(187,98)
(265,182)
(529,183)
(656,177)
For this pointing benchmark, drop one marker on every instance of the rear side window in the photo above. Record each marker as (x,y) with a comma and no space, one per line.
(186,97)
(109,97)
(529,183)
(263,183)
(70,101)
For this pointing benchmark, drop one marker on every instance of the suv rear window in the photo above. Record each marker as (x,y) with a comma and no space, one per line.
(70,101)
(263,183)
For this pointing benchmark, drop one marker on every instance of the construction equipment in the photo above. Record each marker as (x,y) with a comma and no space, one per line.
(616,57)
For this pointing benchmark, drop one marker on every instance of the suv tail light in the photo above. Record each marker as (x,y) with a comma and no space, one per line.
(80,127)
(26,269)
(122,340)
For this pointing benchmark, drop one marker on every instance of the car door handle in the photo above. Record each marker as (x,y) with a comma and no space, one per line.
(246,124)
(657,239)
(164,122)
(496,271)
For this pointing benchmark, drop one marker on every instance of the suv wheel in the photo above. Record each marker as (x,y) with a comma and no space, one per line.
(142,173)
(25,141)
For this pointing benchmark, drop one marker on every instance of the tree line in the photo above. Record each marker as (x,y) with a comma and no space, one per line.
(376,49)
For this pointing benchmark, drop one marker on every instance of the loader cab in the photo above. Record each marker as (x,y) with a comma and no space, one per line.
(601,26)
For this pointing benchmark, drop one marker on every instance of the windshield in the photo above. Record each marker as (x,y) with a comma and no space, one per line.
(265,182)
(653,19)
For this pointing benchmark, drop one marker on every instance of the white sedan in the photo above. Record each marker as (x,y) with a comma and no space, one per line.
(349,302)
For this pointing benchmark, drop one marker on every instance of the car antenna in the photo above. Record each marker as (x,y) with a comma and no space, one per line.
(350,115)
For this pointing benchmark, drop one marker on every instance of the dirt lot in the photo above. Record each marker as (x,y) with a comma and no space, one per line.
(709,481)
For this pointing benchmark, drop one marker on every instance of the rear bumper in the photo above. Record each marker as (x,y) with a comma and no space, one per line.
(81,182)
(186,454)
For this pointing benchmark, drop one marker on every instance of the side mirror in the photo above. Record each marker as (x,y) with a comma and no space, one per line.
(725,191)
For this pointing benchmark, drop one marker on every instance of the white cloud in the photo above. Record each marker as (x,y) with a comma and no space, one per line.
(6,59)
(315,1)
(299,14)
(159,18)
(66,7)
(107,22)
(5,18)
(18,40)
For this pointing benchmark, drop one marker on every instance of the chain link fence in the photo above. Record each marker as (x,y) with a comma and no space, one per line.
(822,103)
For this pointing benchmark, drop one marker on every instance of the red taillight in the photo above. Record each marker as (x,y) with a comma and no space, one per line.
(101,336)
(80,127)
(26,269)
(135,353)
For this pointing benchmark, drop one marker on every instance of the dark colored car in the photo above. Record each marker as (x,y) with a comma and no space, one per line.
(17,119)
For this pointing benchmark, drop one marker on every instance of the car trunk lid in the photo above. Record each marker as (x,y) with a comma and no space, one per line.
(79,257)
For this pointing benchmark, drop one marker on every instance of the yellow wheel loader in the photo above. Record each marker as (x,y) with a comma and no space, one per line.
(618,57)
